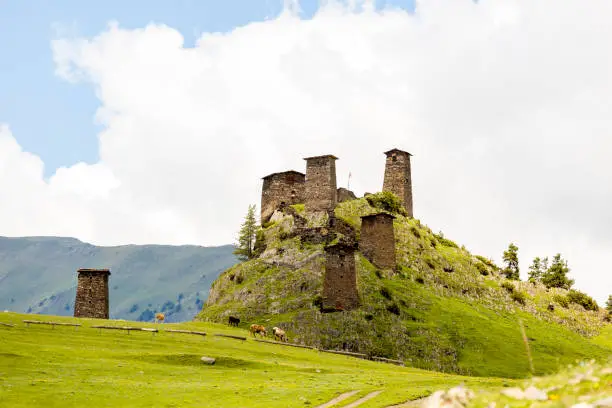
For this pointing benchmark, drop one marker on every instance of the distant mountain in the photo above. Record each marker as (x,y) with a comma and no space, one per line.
(38,275)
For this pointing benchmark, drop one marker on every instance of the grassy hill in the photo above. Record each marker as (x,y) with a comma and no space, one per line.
(63,367)
(38,275)
(444,309)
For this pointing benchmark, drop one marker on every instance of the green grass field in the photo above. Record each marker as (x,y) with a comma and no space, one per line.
(64,367)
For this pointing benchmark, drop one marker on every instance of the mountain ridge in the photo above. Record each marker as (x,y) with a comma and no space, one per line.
(38,275)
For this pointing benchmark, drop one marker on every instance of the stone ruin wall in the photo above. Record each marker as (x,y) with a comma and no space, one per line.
(345,195)
(377,241)
(320,183)
(340,282)
(92,294)
(319,193)
(279,189)
(398,179)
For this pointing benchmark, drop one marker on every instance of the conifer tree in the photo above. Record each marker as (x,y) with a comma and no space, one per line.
(536,270)
(246,237)
(512,263)
(609,305)
(556,275)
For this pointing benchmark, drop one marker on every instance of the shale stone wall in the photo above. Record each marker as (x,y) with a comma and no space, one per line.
(320,183)
(340,283)
(281,189)
(377,241)
(92,294)
(345,195)
(398,177)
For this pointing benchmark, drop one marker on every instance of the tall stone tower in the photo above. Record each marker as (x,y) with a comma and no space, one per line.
(280,189)
(92,294)
(340,282)
(398,177)
(320,187)
(377,241)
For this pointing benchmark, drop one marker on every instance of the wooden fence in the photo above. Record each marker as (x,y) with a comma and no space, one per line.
(199,333)
(52,324)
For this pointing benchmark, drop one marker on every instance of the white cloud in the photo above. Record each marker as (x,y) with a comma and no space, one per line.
(506,106)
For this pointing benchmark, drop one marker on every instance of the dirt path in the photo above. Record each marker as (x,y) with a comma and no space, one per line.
(338,399)
(362,400)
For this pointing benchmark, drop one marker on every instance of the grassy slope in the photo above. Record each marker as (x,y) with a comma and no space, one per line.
(61,367)
(40,273)
(456,320)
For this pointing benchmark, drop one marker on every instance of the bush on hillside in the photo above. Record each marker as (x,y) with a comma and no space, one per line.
(508,286)
(561,300)
(394,308)
(518,297)
(386,201)
(582,299)
(386,293)
(445,241)
(487,262)
(482,268)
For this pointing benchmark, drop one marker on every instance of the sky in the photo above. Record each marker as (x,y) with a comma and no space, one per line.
(154,121)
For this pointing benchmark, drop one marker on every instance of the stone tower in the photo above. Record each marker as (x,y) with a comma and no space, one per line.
(397,177)
(340,283)
(377,241)
(92,294)
(320,187)
(280,189)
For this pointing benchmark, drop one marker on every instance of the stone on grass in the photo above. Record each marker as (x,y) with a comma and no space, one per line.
(208,360)
(604,403)
(534,394)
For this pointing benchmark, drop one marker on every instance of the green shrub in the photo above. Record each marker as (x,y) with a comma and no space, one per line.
(582,299)
(444,241)
(561,300)
(487,262)
(518,297)
(317,301)
(386,201)
(415,231)
(393,308)
(482,268)
(260,243)
(386,293)
(508,286)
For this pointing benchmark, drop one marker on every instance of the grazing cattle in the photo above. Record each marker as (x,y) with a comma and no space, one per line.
(233,321)
(279,334)
(159,317)
(257,328)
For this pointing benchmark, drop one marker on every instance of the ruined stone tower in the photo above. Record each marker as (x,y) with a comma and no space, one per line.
(377,241)
(340,283)
(280,189)
(398,178)
(92,294)
(320,185)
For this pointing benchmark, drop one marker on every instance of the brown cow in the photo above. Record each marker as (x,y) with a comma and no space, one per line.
(279,334)
(257,328)
(159,317)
